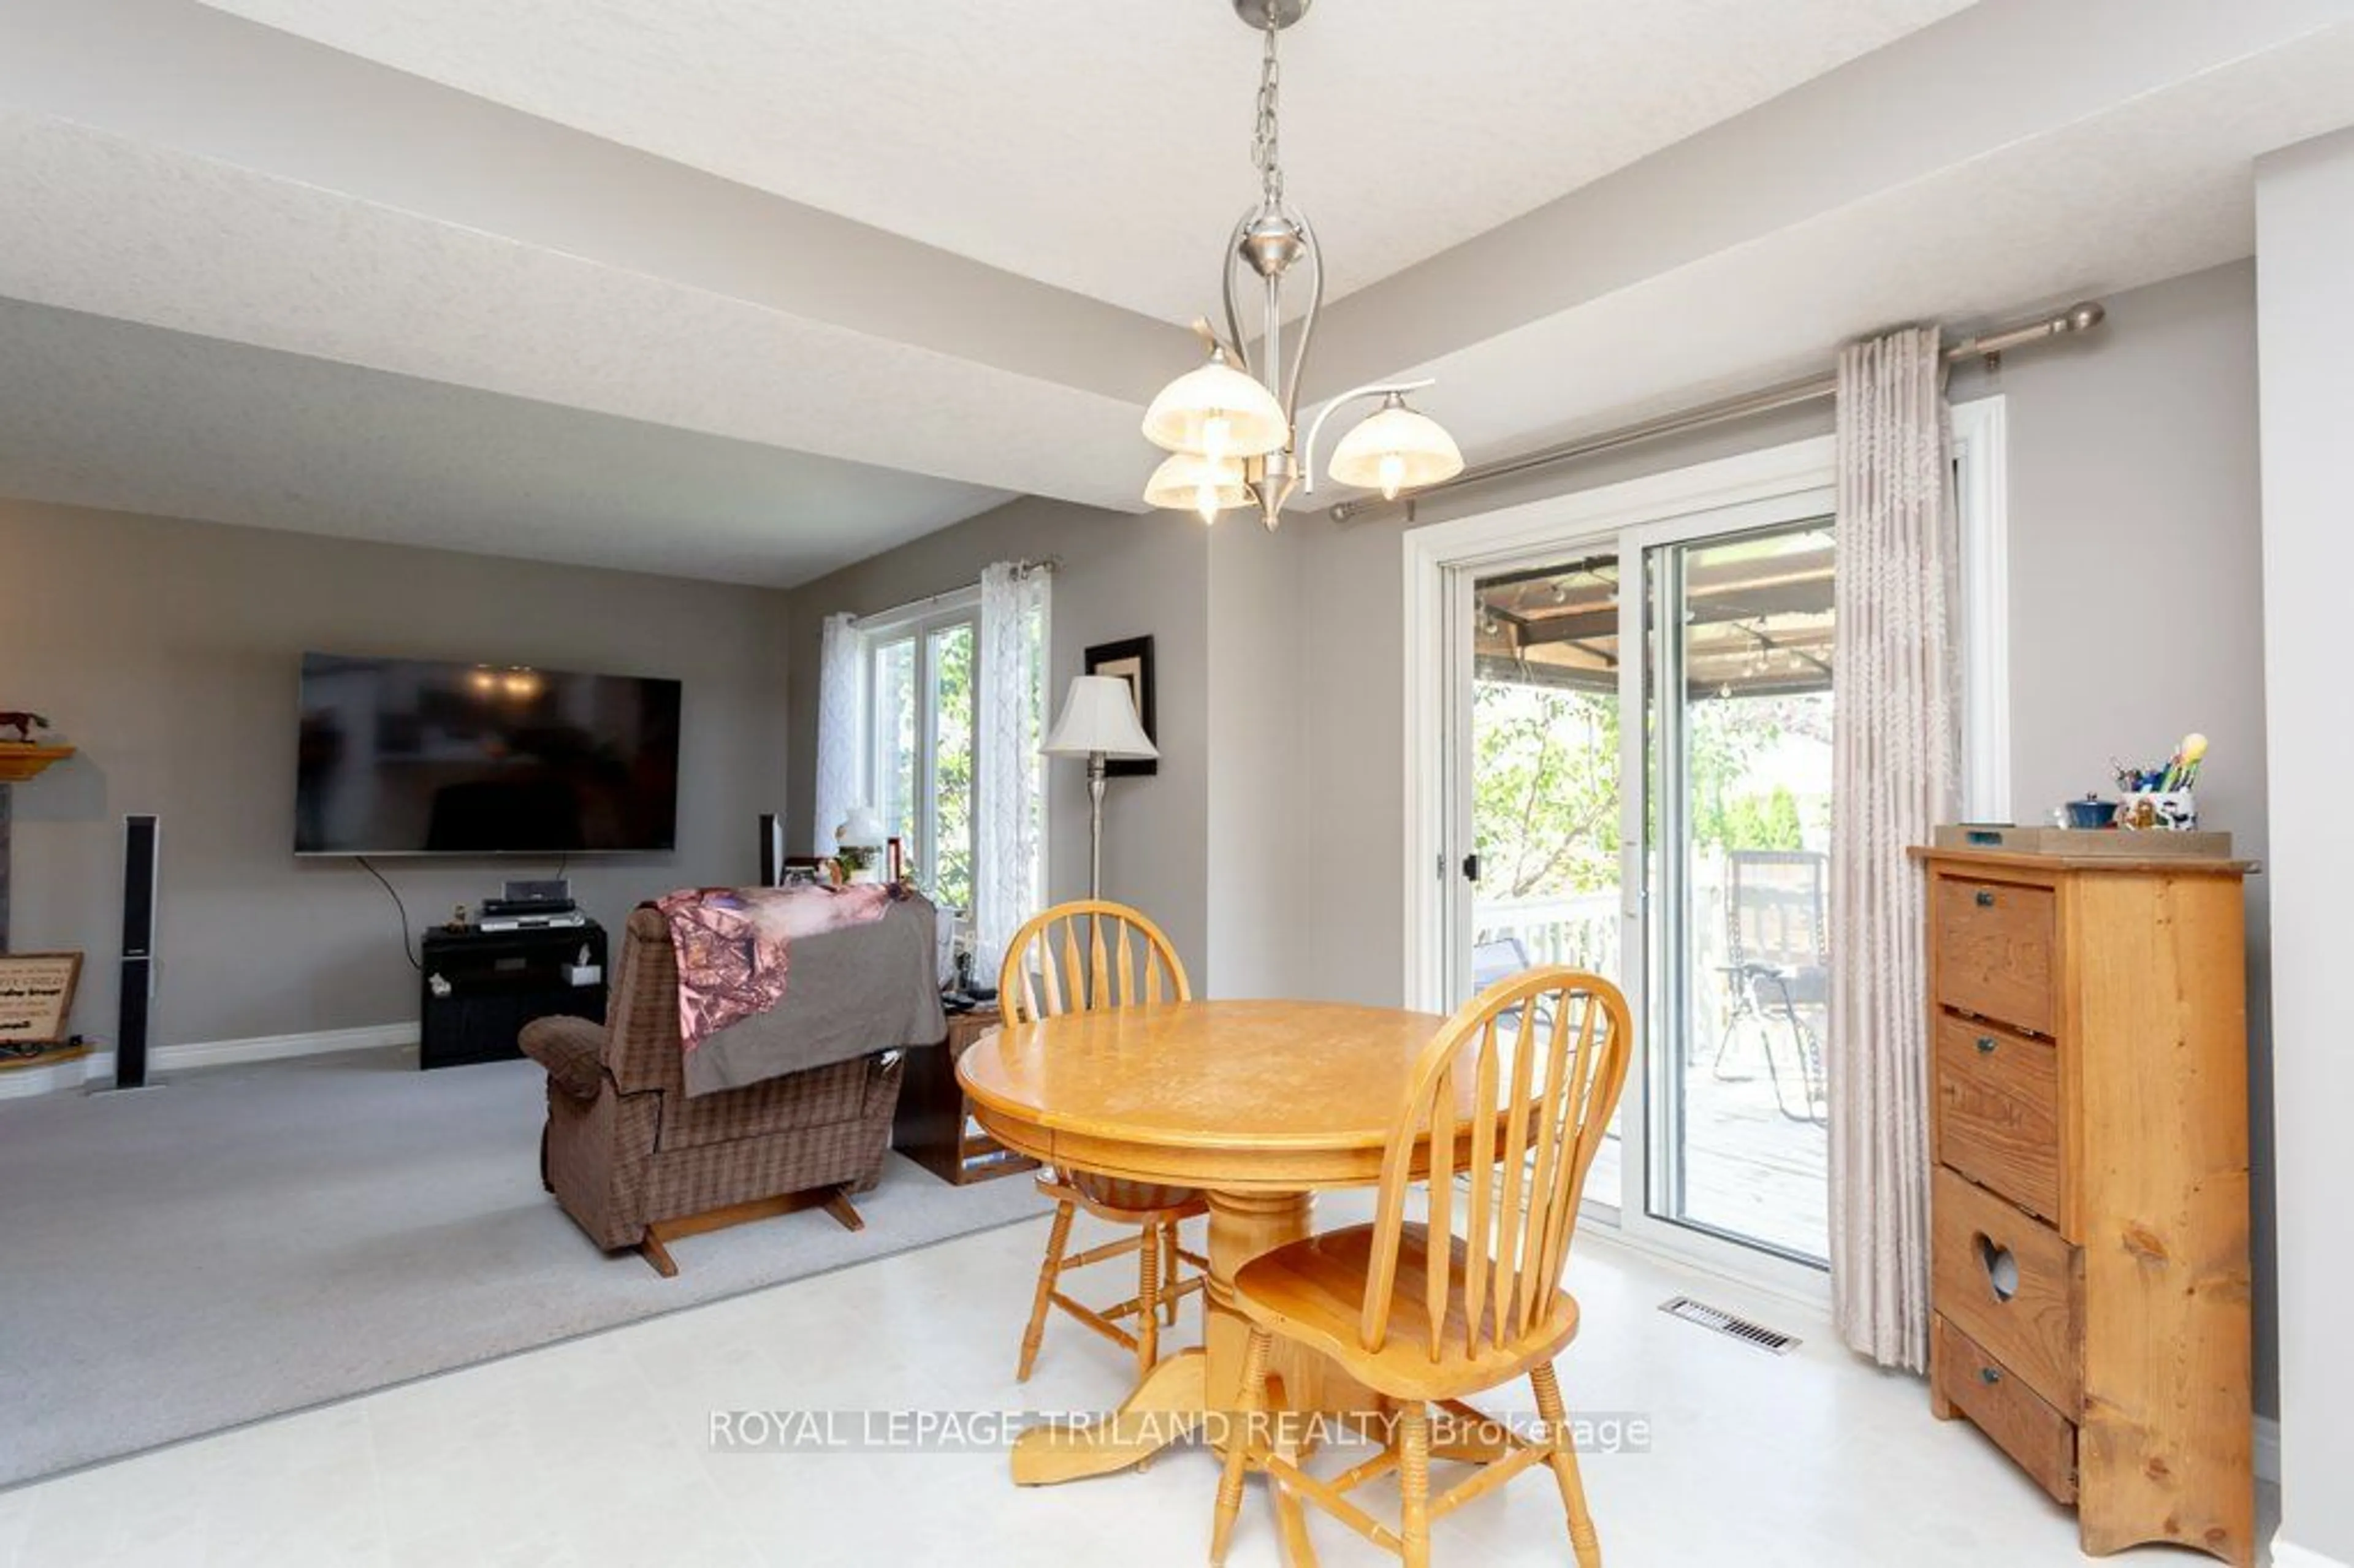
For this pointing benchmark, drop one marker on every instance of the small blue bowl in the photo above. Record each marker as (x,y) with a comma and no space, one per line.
(2091,813)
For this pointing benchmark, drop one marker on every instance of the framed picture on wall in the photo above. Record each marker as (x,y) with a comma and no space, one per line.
(1130,659)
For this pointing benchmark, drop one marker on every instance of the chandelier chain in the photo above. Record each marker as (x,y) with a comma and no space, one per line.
(1265,148)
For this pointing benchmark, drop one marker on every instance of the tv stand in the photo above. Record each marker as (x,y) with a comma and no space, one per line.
(480,987)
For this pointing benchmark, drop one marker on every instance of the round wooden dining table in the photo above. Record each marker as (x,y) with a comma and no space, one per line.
(1257,1104)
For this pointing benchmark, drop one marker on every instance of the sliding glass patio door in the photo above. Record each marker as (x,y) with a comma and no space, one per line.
(1543,880)
(1640,787)
(1738,689)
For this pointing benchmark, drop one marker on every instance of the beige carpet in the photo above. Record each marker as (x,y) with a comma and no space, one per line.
(249,1241)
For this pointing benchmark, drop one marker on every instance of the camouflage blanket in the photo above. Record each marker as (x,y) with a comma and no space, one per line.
(734,945)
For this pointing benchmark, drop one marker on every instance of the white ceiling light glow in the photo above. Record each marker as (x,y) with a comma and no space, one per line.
(1231,424)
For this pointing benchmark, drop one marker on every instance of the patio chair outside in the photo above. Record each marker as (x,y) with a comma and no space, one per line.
(1777,972)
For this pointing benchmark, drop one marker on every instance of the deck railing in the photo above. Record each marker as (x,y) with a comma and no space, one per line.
(1581,931)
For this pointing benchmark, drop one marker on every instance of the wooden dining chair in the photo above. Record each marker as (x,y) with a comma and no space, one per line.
(1074,957)
(1514,1095)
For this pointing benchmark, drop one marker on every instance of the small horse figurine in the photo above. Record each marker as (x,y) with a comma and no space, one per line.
(23,725)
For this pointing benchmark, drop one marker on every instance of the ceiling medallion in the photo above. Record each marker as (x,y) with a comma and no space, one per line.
(1231,424)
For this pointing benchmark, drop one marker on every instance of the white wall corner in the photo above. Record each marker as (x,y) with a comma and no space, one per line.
(2267,1449)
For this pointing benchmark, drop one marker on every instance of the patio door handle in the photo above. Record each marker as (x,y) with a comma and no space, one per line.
(1471,866)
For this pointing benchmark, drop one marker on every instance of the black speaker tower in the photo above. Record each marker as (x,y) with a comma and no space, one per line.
(138,862)
(772,850)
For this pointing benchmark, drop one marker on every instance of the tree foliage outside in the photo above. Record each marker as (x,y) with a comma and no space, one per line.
(948,813)
(953,752)
(1545,783)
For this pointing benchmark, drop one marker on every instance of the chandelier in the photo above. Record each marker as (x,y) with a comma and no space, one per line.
(1231,424)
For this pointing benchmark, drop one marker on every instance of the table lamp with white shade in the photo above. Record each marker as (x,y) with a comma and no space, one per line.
(1099,723)
(861,832)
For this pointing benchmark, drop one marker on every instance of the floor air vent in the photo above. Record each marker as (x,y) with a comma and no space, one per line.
(1725,1323)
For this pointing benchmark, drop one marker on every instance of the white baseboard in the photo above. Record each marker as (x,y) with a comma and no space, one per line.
(2289,1555)
(2268,1449)
(23,1083)
(97,1067)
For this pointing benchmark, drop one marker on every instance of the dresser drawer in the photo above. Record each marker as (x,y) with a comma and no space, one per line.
(2010,1283)
(2024,1425)
(1996,1098)
(1993,950)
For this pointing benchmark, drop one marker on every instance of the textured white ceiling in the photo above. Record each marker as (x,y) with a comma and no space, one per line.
(1105,147)
(236,434)
(2158,188)
(461,285)
(112,227)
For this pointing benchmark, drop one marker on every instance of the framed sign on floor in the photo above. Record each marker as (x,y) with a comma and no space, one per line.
(37,993)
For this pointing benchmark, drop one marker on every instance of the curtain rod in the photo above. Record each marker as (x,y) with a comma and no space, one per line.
(1024,567)
(2082,317)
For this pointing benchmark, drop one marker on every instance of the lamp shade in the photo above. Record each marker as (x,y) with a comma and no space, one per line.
(1188,483)
(1098,714)
(1396,449)
(1217,412)
(862,829)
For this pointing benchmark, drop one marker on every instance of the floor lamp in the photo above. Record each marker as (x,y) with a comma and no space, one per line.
(1099,723)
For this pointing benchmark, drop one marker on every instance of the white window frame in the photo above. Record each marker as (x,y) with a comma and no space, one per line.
(918,622)
(1570,522)
(1982,492)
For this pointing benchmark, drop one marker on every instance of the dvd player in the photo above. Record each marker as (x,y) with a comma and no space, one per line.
(498,908)
(549,922)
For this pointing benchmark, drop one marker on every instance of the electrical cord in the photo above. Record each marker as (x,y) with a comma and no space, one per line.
(407,949)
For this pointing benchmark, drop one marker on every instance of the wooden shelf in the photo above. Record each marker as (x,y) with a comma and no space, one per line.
(19,761)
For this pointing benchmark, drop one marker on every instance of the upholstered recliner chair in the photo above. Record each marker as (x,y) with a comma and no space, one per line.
(639,1162)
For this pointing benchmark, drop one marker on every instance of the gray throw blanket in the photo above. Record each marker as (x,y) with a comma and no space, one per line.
(869,987)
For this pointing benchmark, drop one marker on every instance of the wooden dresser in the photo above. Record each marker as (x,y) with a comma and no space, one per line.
(2089,1203)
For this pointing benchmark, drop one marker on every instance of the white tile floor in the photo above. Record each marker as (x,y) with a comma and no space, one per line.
(595,1452)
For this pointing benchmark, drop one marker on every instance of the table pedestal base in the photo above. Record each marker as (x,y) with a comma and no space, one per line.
(1174,1398)
(1167,1406)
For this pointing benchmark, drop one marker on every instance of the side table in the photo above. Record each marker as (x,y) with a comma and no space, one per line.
(934,1127)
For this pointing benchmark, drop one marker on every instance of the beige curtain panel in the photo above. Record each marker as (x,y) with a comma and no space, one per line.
(1894,740)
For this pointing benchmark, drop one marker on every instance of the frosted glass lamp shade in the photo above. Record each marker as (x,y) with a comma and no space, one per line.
(1099,714)
(1396,449)
(862,829)
(1188,483)
(1215,411)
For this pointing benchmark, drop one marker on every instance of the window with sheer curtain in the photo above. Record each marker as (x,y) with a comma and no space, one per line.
(939,709)
(919,674)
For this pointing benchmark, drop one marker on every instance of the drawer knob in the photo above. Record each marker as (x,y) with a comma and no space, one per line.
(1986,1044)
(1990,1374)
(1986,897)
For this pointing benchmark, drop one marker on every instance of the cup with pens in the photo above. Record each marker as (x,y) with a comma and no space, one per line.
(2162,797)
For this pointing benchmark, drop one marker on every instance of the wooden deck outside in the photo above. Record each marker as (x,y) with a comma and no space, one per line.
(1749,1170)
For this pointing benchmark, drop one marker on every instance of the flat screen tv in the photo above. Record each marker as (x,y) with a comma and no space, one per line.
(412,757)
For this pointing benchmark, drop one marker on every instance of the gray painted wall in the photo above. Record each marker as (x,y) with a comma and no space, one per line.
(168,651)
(2305,232)
(1264,897)
(1117,577)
